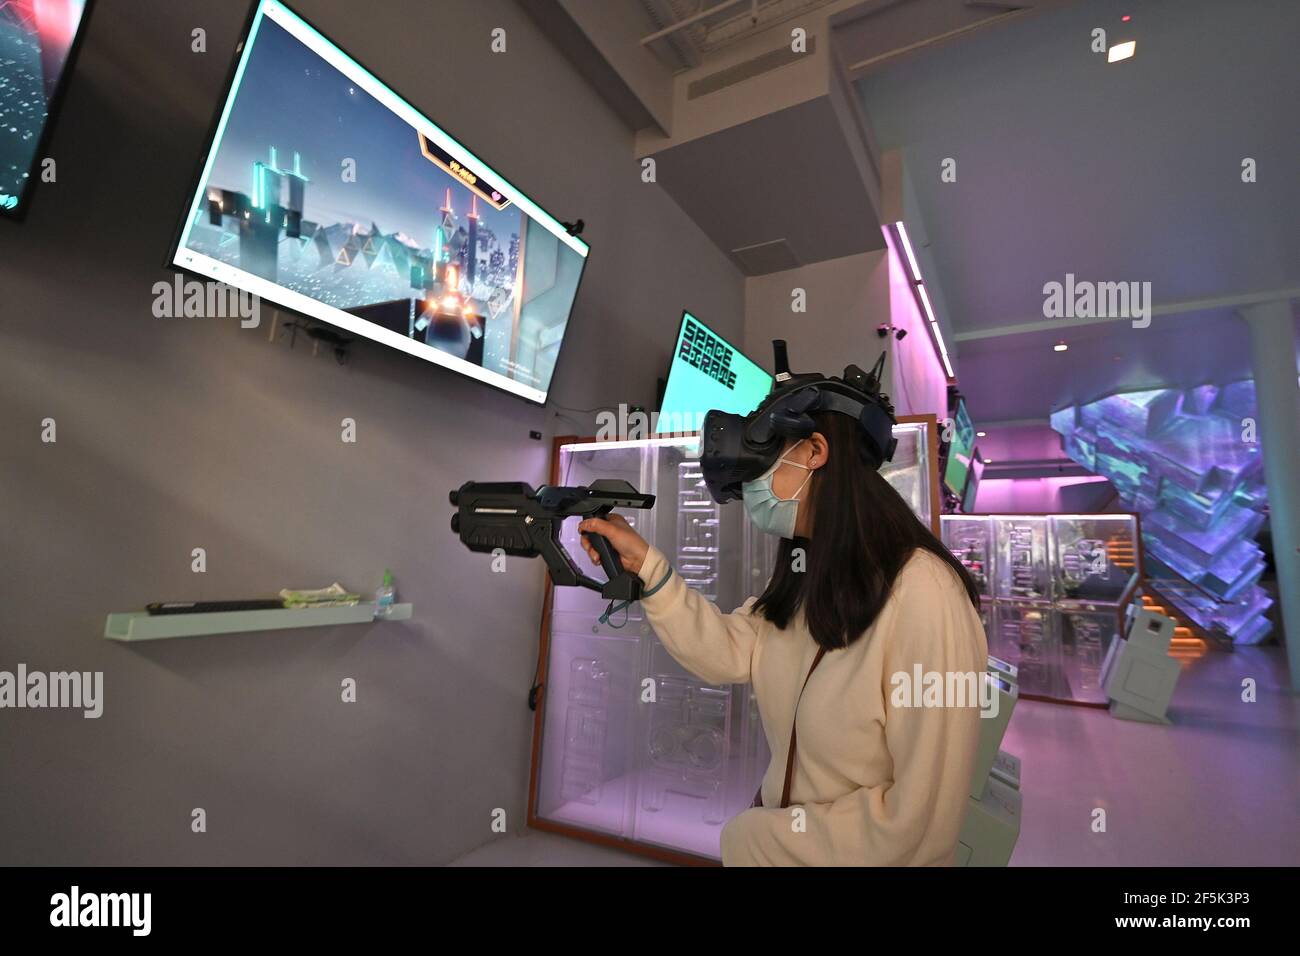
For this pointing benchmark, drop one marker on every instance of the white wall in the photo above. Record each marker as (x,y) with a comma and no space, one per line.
(847,299)
(616,29)
(1044,495)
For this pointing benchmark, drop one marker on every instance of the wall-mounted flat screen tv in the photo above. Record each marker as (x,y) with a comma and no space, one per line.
(959,450)
(38,42)
(708,372)
(325,192)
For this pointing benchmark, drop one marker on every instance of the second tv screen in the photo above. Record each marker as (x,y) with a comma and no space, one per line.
(708,372)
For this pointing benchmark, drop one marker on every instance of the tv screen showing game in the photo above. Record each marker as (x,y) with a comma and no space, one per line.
(37,41)
(325,192)
(708,372)
(959,450)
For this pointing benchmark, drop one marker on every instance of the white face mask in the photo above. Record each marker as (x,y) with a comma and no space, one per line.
(769,513)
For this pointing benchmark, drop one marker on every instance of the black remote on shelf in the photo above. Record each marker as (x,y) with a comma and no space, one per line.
(208,607)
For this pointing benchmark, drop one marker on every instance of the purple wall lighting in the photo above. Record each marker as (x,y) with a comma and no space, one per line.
(1042,495)
(1187,461)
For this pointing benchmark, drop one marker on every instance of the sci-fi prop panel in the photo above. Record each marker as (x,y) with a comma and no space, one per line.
(913,472)
(1051,587)
(666,772)
(1181,459)
(632,744)
(326,193)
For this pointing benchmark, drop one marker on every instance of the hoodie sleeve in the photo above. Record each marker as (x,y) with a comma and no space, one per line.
(915,818)
(714,646)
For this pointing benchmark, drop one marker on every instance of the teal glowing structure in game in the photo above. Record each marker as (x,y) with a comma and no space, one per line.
(382,224)
(1184,460)
(708,372)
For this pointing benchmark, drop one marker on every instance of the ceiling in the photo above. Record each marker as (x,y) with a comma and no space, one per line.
(761,188)
(1066,165)
(689,31)
(1020,376)
(1111,172)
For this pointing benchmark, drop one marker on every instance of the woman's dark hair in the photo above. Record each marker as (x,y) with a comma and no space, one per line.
(861,541)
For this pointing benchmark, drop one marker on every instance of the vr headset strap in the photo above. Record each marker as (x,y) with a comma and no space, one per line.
(835,402)
(871,417)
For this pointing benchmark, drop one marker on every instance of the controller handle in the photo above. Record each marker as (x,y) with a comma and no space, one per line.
(609,559)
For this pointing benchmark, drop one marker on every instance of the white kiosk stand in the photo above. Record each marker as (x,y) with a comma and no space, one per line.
(992,823)
(1138,674)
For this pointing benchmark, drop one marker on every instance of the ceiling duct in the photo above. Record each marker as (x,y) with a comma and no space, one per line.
(675,49)
(691,30)
(747,69)
(765,257)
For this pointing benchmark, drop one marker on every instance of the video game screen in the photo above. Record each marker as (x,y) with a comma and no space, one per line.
(959,452)
(36,42)
(325,192)
(708,372)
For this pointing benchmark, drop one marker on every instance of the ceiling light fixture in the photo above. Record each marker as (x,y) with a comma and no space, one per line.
(981,434)
(922,294)
(1060,347)
(906,243)
(1121,51)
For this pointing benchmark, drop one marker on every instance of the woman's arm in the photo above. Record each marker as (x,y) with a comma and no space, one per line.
(714,646)
(913,820)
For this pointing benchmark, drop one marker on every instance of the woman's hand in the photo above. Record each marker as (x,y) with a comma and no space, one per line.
(630,546)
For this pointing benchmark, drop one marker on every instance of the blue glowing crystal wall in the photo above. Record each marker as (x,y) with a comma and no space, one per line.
(1183,461)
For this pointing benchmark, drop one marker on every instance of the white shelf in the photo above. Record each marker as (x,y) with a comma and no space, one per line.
(142,626)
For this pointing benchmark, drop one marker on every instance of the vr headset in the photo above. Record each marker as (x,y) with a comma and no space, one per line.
(739,448)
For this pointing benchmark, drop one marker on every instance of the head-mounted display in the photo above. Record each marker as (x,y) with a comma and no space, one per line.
(739,448)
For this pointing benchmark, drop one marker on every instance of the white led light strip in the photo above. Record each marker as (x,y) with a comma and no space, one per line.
(924,296)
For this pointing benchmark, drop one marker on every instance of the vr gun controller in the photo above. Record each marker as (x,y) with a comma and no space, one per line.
(511,516)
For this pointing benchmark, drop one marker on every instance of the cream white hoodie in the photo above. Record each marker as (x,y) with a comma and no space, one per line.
(877,784)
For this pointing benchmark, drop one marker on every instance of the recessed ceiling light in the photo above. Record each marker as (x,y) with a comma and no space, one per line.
(1060,347)
(1125,18)
(988,461)
(1121,51)
(981,434)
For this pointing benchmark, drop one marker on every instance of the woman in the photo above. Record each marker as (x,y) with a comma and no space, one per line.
(863,595)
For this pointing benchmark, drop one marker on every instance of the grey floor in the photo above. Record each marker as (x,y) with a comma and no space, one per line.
(1219,787)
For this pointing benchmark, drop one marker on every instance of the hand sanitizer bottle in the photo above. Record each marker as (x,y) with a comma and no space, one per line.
(384,596)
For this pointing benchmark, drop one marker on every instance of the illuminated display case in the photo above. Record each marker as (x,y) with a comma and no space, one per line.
(1093,557)
(970,538)
(631,749)
(913,471)
(1021,558)
(632,746)
(1052,586)
(1027,635)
